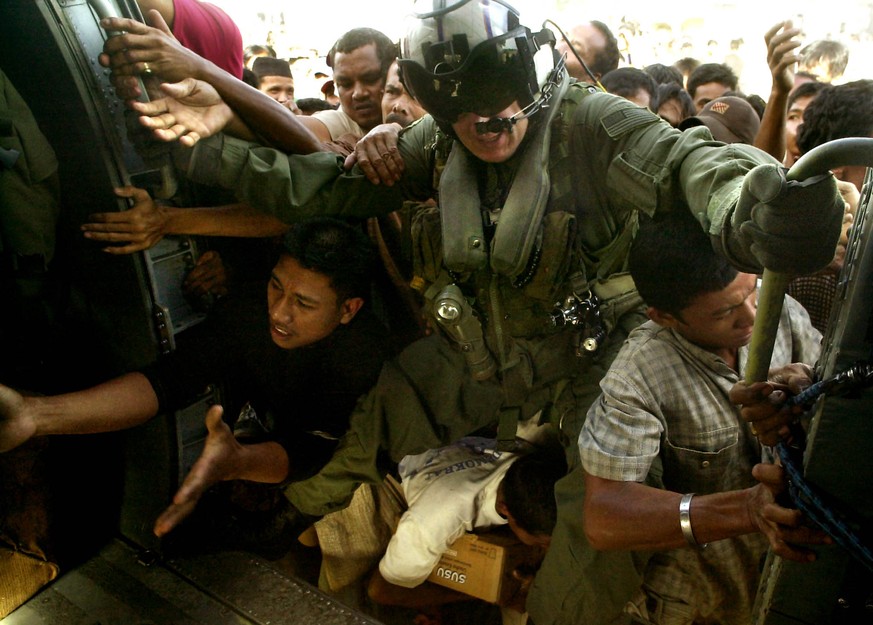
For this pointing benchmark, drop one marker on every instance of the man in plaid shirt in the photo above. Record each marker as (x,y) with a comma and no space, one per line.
(664,425)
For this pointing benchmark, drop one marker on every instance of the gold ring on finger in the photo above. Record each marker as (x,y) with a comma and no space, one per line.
(386,155)
(146,69)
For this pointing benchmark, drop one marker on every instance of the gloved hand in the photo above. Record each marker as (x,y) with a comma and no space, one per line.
(788,226)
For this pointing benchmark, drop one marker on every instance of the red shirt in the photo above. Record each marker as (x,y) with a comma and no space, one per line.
(209,31)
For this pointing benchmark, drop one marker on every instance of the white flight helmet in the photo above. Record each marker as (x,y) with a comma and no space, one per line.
(473,56)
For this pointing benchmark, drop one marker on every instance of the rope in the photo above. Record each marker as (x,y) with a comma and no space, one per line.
(803,495)
(813,506)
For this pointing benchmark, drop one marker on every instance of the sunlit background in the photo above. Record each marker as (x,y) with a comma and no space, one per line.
(655,33)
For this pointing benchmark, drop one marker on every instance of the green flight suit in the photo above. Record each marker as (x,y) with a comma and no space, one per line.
(617,160)
(29,192)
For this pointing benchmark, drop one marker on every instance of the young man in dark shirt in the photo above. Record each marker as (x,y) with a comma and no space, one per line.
(299,361)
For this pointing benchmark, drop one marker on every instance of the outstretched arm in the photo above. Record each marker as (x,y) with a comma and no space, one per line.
(781,42)
(633,516)
(223,458)
(120,403)
(146,222)
(155,48)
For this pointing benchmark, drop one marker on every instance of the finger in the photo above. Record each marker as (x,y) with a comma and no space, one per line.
(152,108)
(785,518)
(172,516)
(155,18)
(380,164)
(181,89)
(198,285)
(394,163)
(787,61)
(177,132)
(378,155)
(190,140)
(199,477)
(112,235)
(769,473)
(125,24)
(350,161)
(107,222)
(214,424)
(791,552)
(120,250)
(160,121)
(772,31)
(804,535)
(369,170)
(743,393)
(127,88)
(138,194)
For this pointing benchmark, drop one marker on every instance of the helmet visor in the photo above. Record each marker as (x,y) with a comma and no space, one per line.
(487,82)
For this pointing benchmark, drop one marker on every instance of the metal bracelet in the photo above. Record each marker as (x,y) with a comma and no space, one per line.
(685,520)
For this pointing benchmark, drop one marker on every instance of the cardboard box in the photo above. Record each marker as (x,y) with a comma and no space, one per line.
(481,565)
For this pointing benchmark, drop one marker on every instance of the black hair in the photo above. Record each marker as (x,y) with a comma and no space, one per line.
(605,59)
(250,78)
(672,91)
(336,249)
(529,489)
(386,50)
(258,50)
(805,90)
(269,66)
(664,74)
(712,72)
(686,65)
(626,81)
(672,261)
(834,53)
(756,101)
(837,112)
(310,105)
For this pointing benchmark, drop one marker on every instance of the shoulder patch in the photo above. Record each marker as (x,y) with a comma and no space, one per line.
(627,119)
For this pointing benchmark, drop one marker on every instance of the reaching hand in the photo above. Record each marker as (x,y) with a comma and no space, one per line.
(139,227)
(783,527)
(207,277)
(781,42)
(763,402)
(151,49)
(16,425)
(217,463)
(376,154)
(192,110)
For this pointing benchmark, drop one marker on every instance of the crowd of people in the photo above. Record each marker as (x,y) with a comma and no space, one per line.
(584,240)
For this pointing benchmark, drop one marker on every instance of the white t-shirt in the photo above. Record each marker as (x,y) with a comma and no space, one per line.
(338,123)
(450,490)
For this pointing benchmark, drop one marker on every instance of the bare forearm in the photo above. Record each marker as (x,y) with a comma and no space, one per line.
(263,115)
(234,220)
(771,134)
(121,403)
(262,462)
(634,517)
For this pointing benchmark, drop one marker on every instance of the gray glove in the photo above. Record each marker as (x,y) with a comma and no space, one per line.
(787,226)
